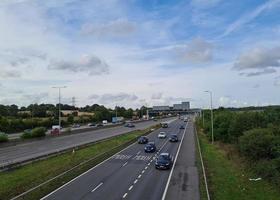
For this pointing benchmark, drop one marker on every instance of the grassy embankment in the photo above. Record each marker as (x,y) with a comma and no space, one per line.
(228,175)
(19,180)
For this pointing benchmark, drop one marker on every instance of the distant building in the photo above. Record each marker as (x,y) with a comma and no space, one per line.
(176,107)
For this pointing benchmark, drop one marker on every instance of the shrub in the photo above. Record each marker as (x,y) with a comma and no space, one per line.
(26,134)
(38,132)
(3,137)
(258,144)
(268,169)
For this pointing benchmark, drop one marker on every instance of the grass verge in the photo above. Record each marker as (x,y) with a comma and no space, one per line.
(21,179)
(228,179)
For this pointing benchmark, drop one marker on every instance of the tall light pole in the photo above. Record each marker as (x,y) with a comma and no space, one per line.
(59,108)
(211,107)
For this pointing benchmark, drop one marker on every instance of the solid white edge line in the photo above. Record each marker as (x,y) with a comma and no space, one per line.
(97,187)
(170,175)
(202,164)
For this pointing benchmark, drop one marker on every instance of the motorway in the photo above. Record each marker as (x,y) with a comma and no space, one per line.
(35,149)
(129,174)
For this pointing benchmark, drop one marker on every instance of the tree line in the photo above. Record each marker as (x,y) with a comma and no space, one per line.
(16,119)
(255,133)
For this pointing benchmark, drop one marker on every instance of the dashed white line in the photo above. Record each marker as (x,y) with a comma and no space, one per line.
(97,187)
(146,167)
(138,152)
(125,164)
(139,176)
(124,195)
(135,181)
(143,171)
(130,188)
(149,163)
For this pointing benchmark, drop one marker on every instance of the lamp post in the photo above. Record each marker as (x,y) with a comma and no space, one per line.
(211,107)
(59,108)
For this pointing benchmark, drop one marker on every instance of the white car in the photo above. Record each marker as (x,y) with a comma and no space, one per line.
(162,135)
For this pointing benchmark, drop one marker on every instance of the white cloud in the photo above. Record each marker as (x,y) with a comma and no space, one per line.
(250,16)
(116,28)
(87,63)
(198,50)
(264,60)
(157,95)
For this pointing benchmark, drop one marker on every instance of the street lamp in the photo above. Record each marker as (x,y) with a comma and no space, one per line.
(211,107)
(59,100)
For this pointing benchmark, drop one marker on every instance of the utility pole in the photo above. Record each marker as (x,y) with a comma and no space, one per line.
(212,122)
(59,102)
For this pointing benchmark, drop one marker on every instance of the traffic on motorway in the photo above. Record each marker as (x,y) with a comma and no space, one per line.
(140,171)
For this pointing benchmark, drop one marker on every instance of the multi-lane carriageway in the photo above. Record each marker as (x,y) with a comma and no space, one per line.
(129,174)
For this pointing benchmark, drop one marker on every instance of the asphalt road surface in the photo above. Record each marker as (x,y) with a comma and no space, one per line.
(129,174)
(30,150)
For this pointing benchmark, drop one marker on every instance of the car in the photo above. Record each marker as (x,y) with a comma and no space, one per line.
(164,161)
(91,124)
(150,147)
(129,125)
(173,138)
(143,140)
(164,125)
(99,125)
(76,126)
(182,127)
(162,135)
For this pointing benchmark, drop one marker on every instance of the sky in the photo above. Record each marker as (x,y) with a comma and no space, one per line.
(140,52)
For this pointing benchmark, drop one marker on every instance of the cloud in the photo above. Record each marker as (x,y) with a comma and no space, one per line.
(258,73)
(248,17)
(116,28)
(35,98)
(9,74)
(157,95)
(256,86)
(264,60)
(87,63)
(113,98)
(198,50)
(276,81)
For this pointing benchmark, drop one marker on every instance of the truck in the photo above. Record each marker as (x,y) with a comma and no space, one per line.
(104,122)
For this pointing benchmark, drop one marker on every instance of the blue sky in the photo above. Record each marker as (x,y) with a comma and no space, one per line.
(135,52)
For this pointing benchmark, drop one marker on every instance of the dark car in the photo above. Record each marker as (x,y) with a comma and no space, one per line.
(164,161)
(143,140)
(150,147)
(129,125)
(173,138)
(164,125)
(182,127)
(91,124)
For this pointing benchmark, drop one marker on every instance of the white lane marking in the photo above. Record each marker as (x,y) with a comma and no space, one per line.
(125,164)
(169,178)
(87,171)
(139,176)
(138,152)
(97,187)
(149,163)
(146,167)
(124,195)
(143,171)
(135,181)
(130,188)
